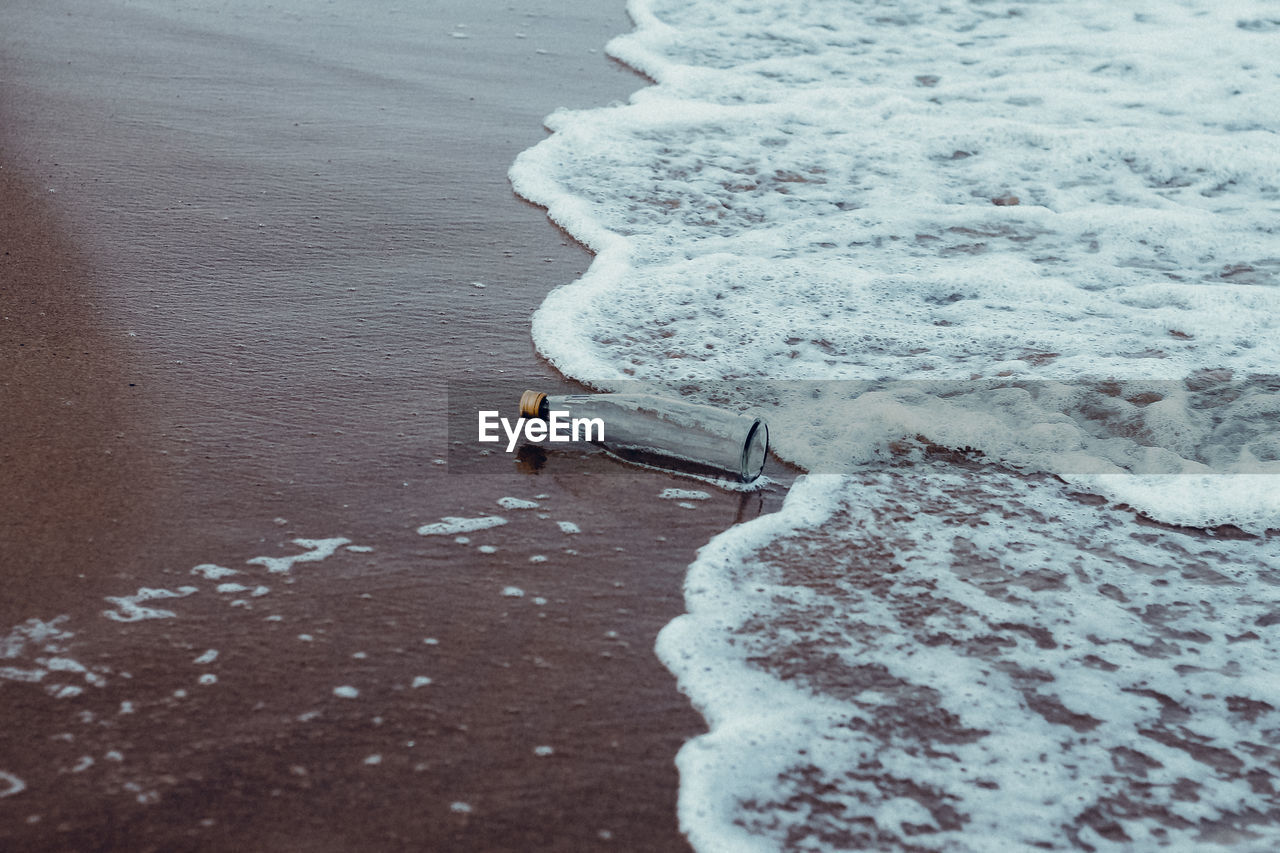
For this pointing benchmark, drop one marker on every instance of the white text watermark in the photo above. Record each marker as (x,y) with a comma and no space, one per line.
(558,427)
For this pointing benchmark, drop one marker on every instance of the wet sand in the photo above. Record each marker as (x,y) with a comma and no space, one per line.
(240,255)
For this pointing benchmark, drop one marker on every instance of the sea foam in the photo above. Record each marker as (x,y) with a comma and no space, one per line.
(924,195)
(1041,237)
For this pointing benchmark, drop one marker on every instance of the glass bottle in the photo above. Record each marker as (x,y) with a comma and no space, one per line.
(662,431)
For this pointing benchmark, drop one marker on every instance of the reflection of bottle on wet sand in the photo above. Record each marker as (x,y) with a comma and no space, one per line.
(666,432)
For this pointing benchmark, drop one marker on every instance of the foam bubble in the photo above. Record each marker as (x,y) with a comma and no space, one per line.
(317,550)
(10,784)
(129,608)
(47,635)
(212,572)
(516,503)
(452,525)
(13,673)
(684,495)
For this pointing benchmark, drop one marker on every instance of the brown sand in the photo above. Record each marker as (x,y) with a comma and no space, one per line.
(238,253)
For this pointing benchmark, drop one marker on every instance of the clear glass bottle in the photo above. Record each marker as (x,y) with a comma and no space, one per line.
(663,431)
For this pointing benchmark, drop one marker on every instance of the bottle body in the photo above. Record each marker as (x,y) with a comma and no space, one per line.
(665,431)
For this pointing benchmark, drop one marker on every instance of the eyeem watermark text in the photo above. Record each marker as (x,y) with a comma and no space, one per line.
(558,427)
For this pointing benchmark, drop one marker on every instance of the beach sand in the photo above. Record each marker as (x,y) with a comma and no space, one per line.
(241,256)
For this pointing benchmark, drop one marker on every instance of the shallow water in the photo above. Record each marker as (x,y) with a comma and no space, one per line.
(272,218)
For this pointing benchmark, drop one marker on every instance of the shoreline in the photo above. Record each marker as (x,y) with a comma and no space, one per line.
(264,336)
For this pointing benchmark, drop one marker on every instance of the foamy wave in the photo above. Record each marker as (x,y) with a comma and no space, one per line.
(851,192)
(1077,200)
(965,660)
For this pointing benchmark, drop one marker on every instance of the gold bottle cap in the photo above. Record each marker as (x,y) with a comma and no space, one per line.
(531,404)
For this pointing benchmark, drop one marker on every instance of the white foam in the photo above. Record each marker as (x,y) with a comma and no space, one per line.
(1017,659)
(129,608)
(49,636)
(827,192)
(63,691)
(346,692)
(568,527)
(64,664)
(11,784)
(684,495)
(421,681)
(212,572)
(451,525)
(791,201)
(513,592)
(317,550)
(516,503)
(13,673)
(31,638)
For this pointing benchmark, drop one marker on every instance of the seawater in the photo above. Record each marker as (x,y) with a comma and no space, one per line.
(1064,637)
